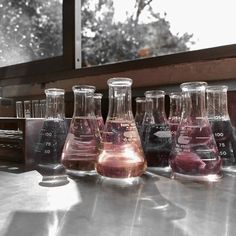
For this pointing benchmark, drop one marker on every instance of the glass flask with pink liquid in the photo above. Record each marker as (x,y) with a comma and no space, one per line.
(48,149)
(175,111)
(83,141)
(195,155)
(156,135)
(224,132)
(122,154)
(140,111)
(98,110)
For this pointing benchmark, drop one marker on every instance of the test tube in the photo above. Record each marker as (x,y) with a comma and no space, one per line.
(35,109)
(42,108)
(27,109)
(19,109)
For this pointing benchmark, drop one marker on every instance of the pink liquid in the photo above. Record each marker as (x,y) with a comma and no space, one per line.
(122,155)
(82,145)
(196,152)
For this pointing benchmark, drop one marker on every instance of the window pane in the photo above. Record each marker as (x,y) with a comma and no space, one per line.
(30,30)
(113,31)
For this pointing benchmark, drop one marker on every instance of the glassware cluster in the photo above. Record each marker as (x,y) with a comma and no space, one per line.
(196,142)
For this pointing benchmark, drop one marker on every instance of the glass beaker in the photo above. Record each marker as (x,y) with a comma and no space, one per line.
(19,109)
(195,155)
(223,131)
(98,110)
(83,141)
(122,154)
(156,135)
(27,109)
(175,111)
(140,111)
(52,137)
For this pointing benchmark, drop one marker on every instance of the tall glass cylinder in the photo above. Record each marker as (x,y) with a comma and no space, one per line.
(140,111)
(224,133)
(98,110)
(195,155)
(175,111)
(82,145)
(122,155)
(51,139)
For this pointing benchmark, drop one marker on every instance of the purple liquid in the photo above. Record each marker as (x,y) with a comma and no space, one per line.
(195,153)
(82,145)
(122,154)
(49,148)
(173,124)
(226,140)
(156,140)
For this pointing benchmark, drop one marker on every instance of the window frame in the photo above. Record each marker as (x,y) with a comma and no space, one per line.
(63,67)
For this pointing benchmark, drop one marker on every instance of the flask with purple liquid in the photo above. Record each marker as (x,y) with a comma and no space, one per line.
(222,128)
(195,155)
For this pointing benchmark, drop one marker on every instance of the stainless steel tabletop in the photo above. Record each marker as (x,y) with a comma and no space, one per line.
(92,205)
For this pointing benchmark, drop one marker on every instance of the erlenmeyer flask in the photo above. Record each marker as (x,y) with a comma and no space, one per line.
(122,155)
(51,140)
(156,136)
(98,110)
(175,111)
(224,133)
(195,155)
(140,111)
(83,141)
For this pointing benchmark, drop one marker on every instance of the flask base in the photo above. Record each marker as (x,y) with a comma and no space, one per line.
(197,178)
(54,181)
(80,173)
(229,170)
(120,182)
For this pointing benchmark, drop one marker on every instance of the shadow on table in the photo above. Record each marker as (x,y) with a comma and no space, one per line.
(107,207)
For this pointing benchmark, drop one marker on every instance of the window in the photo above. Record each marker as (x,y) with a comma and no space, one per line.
(114,31)
(30,30)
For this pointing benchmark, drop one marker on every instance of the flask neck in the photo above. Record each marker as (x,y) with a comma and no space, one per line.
(120,103)
(83,104)
(194,104)
(140,107)
(175,106)
(98,107)
(55,106)
(217,105)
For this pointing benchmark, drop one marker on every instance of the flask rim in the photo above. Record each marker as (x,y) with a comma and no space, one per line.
(140,99)
(98,95)
(192,86)
(119,82)
(83,88)
(175,94)
(154,93)
(54,91)
(216,88)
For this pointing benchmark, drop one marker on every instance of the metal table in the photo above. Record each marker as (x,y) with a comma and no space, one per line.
(91,205)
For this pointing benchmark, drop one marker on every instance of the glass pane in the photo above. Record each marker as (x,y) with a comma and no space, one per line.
(30,30)
(113,31)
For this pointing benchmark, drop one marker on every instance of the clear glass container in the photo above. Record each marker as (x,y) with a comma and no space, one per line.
(83,142)
(156,135)
(175,111)
(122,154)
(224,133)
(195,155)
(52,137)
(140,111)
(98,110)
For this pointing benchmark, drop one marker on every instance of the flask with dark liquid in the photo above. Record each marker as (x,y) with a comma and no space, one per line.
(83,141)
(122,154)
(48,149)
(224,133)
(175,112)
(140,111)
(195,155)
(155,134)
